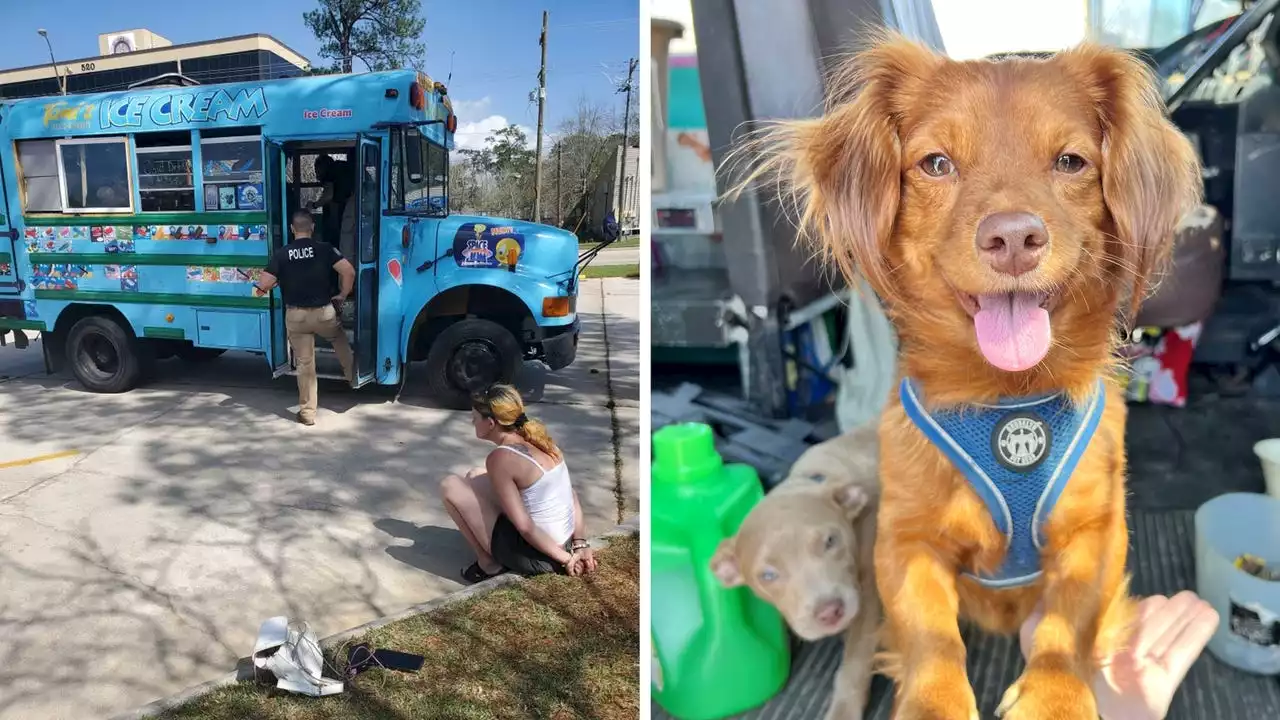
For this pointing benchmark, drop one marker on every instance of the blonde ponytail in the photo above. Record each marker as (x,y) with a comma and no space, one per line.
(535,433)
(504,405)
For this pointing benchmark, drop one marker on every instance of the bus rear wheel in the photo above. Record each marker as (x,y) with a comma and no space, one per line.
(103,356)
(468,356)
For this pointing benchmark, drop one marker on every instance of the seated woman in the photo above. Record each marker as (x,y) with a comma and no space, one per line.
(520,513)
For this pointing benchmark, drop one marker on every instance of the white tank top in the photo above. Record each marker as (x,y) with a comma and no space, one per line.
(549,500)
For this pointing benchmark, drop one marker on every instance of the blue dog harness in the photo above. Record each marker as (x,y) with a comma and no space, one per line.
(1018,456)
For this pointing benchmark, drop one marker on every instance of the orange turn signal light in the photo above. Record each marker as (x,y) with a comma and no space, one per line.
(417,100)
(452,123)
(558,306)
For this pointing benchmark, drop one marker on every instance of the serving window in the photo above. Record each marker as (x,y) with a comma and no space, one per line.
(232,172)
(95,175)
(165,179)
(88,175)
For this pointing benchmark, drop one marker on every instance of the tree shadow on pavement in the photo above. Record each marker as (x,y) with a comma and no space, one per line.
(196,508)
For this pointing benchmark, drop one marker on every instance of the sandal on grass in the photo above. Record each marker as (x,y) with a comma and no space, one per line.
(474,573)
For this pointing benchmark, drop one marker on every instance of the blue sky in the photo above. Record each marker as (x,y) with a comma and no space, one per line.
(494,45)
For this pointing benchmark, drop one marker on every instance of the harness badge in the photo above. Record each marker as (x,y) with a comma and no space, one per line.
(1021,441)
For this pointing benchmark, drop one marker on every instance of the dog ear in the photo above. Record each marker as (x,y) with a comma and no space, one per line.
(1150,172)
(851,498)
(841,172)
(724,565)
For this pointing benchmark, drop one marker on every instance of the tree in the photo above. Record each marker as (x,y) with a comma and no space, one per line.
(499,176)
(586,142)
(383,34)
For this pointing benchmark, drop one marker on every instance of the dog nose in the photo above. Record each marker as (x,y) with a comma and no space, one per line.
(830,612)
(1012,243)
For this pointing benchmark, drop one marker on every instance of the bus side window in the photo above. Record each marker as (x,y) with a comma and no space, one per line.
(396,191)
(438,179)
(64,175)
(413,155)
(426,181)
(95,174)
(41,191)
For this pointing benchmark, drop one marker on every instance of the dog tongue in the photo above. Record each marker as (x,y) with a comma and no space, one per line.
(1013,330)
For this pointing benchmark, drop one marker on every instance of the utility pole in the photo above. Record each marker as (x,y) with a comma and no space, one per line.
(626,129)
(542,100)
(559,218)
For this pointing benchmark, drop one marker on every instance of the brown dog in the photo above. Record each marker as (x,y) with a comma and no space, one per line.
(806,548)
(1009,213)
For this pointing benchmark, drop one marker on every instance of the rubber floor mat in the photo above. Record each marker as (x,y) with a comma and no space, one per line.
(1162,559)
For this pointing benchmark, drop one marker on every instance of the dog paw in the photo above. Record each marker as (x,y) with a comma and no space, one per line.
(1048,695)
(938,701)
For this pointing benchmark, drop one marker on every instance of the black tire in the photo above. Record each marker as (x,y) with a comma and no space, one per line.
(193,354)
(470,355)
(103,356)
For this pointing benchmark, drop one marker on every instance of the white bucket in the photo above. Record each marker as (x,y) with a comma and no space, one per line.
(1228,526)
(1268,451)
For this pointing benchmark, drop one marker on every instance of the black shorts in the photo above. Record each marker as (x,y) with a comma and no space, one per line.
(513,552)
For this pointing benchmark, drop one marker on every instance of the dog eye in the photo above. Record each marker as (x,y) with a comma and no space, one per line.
(831,541)
(1069,164)
(768,576)
(937,165)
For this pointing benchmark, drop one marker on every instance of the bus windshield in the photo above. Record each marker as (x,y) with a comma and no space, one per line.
(426,181)
(1146,24)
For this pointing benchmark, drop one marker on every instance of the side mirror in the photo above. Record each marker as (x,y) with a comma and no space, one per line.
(413,155)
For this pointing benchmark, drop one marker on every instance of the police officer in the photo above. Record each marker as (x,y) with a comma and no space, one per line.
(304,271)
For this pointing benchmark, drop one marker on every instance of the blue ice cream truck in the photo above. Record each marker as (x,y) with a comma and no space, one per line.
(134,224)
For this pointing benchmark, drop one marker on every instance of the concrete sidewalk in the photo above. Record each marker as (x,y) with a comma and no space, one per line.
(194,508)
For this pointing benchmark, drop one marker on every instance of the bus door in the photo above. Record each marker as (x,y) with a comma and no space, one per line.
(368,189)
(277,229)
(9,240)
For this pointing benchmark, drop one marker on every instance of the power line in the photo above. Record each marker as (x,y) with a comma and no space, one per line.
(600,23)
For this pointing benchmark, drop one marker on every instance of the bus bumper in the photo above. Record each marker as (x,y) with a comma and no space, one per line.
(558,345)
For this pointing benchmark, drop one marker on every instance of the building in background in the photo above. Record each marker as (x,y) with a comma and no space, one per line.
(618,189)
(132,56)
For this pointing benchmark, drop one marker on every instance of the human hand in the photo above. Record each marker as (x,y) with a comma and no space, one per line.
(581,562)
(338,301)
(1139,681)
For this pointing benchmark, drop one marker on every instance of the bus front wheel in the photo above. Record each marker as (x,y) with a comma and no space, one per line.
(103,356)
(468,356)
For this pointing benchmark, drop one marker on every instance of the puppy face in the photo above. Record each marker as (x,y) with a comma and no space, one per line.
(1007,206)
(798,551)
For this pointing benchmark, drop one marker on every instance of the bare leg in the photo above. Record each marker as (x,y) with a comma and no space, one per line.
(474,509)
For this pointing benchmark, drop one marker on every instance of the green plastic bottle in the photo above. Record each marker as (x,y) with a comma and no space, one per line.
(716,651)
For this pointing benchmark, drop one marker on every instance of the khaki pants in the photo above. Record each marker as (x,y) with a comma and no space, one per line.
(303,324)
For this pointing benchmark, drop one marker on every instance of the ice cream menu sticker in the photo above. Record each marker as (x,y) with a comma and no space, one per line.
(59,277)
(122,238)
(200,274)
(129,278)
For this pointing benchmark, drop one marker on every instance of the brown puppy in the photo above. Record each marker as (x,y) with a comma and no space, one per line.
(806,548)
(1009,213)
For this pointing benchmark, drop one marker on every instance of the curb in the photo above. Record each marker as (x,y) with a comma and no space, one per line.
(630,527)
